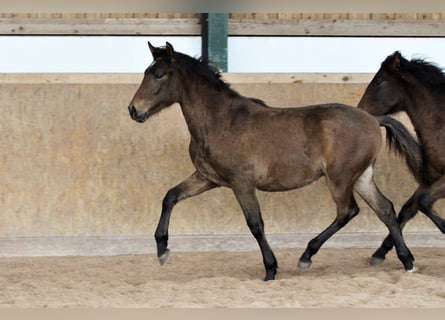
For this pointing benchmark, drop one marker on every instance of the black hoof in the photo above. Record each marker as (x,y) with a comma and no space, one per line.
(164,257)
(408,264)
(376,260)
(270,275)
(414,269)
(379,255)
(304,265)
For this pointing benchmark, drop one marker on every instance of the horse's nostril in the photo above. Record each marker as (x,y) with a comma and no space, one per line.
(132,111)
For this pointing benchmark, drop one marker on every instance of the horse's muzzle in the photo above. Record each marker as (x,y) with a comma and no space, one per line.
(135,116)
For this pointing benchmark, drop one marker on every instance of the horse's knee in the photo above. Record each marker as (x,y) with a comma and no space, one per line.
(425,203)
(170,199)
(352,211)
(406,213)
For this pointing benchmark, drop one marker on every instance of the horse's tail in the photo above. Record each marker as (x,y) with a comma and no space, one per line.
(403,143)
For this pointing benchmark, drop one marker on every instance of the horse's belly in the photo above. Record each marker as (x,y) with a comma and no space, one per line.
(282,178)
(286,185)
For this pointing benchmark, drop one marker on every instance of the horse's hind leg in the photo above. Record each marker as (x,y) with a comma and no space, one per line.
(346,209)
(251,209)
(192,186)
(384,209)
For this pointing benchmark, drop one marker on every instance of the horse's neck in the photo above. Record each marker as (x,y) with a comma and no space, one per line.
(424,109)
(203,110)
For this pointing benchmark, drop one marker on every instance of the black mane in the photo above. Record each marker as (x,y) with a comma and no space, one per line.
(424,71)
(198,66)
(203,69)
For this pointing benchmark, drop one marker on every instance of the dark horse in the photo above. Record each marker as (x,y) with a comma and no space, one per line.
(240,143)
(418,88)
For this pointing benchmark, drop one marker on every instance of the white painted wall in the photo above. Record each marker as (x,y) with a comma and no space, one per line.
(322,54)
(73,54)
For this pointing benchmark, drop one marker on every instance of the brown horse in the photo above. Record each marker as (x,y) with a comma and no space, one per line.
(418,88)
(240,143)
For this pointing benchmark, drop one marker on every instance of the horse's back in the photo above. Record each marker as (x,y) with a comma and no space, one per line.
(339,123)
(323,130)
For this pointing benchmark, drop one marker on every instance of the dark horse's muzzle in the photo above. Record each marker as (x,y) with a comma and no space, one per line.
(137,117)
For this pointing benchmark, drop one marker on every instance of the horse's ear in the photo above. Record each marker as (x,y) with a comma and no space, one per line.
(395,60)
(170,51)
(152,49)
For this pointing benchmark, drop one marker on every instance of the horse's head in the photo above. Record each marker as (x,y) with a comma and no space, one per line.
(160,86)
(386,92)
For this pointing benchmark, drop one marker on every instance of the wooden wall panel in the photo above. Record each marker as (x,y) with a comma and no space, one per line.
(73,164)
(240,24)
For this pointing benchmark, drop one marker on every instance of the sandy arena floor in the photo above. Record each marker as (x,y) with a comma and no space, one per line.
(337,278)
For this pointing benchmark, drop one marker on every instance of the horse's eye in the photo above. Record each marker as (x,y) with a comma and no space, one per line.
(378,81)
(159,74)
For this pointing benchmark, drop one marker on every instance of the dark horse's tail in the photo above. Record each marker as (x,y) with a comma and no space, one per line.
(399,139)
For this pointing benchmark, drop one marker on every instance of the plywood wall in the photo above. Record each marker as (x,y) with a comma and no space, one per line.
(74,164)
(239,24)
(234,15)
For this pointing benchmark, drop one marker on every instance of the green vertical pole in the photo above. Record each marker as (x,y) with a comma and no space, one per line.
(214,39)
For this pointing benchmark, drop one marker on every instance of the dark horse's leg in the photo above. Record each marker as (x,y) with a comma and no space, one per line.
(346,209)
(427,200)
(385,211)
(408,211)
(251,209)
(340,183)
(423,200)
(434,217)
(192,186)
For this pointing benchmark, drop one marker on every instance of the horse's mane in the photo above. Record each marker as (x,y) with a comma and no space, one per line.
(202,67)
(426,72)
(199,66)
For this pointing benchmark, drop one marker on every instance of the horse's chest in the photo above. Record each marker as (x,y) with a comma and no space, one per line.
(206,166)
(432,145)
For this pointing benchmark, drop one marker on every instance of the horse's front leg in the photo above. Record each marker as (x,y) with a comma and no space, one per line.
(408,211)
(427,200)
(192,186)
(251,209)
(422,199)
